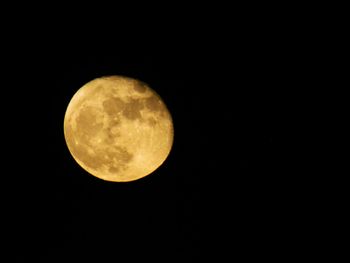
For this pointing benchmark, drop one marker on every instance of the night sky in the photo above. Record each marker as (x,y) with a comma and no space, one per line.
(223,94)
(53,209)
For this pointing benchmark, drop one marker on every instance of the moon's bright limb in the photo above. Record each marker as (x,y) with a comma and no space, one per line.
(118,129)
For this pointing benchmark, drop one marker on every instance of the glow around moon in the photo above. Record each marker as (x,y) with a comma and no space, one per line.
(118,129)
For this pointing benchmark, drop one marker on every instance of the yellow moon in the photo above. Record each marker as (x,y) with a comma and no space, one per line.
(118,129)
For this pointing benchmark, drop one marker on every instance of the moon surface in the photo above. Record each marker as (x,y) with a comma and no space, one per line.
(118,129)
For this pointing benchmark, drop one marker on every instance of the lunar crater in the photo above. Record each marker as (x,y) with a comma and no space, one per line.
(153,103)
(152,121)
(140,87)
(114,169)
(113,106)
(132,109)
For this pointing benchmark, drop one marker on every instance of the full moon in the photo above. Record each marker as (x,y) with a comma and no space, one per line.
(118,129)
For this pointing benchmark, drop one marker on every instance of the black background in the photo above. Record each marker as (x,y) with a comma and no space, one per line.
(56,212)
(220,186)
